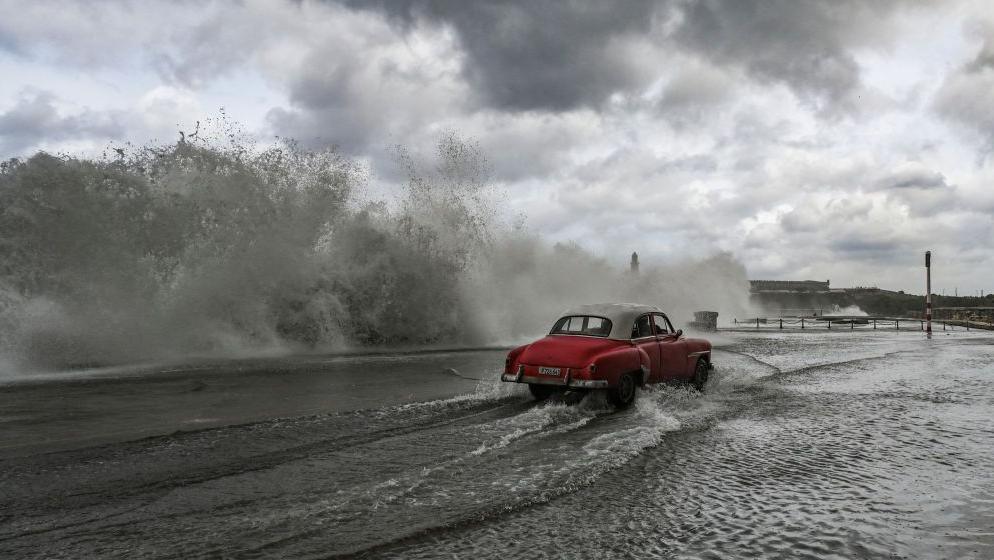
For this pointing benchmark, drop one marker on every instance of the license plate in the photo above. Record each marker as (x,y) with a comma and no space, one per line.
(549,370)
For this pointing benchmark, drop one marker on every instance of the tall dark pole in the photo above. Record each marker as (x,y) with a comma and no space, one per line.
(928,292)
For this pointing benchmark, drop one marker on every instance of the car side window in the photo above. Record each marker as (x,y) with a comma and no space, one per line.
(662,326)
(642,327)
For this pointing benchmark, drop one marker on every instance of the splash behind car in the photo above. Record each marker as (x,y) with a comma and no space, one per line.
(615,347)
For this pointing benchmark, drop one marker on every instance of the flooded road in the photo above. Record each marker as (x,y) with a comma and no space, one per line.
(804,445)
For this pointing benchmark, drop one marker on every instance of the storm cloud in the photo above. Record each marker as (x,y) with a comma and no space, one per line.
(524,55)
(35,118)
(806,138)
(808,45)
(966,97)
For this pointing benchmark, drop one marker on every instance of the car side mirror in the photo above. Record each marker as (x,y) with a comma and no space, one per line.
(679,333)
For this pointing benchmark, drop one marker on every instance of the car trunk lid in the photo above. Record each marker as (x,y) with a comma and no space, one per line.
(566,350)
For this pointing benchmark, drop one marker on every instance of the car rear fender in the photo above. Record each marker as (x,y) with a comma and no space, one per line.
(611,365)
(511,363)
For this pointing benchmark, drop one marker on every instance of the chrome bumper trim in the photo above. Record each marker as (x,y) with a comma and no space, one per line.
(588,383)
(568,382)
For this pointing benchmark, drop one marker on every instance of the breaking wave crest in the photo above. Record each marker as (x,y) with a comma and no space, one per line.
(217,246)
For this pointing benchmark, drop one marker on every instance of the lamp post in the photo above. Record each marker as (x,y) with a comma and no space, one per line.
(928,293)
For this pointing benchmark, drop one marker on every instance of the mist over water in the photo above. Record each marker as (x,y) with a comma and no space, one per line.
(217,246)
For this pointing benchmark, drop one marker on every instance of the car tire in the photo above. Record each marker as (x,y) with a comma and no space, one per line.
(623,394)
(700,375)
(541,392)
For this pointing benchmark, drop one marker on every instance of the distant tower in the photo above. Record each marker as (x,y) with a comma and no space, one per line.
(635,263)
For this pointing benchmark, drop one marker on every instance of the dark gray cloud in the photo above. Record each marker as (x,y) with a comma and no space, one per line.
(209,49)
(521,57)
(363,104)
(35,119)
(524,55)
(913,176)
(693,93)
(334,122)
(806,45)
(985,57)
(924,191)
(966,97)
(854,246)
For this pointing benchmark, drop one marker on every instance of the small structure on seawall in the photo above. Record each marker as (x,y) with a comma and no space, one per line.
(704,321)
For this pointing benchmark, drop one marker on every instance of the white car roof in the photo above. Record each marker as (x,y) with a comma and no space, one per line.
(621,315)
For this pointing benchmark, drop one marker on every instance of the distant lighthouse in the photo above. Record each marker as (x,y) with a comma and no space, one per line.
(635,263)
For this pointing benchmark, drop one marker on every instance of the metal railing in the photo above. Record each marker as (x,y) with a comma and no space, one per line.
(854,323)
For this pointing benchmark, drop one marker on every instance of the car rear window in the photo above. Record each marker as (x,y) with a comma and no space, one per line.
(588,325)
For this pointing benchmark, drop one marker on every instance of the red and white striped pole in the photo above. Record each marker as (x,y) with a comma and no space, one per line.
(928,293)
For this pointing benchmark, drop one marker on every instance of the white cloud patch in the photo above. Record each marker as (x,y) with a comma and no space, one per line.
(167,107)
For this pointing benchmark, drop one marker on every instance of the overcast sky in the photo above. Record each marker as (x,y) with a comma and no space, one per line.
(824,140)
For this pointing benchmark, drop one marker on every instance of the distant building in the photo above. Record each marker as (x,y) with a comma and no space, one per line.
(635,263)
(863,290)
(788,286)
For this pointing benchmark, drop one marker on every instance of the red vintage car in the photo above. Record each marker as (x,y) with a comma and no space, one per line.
(611,346)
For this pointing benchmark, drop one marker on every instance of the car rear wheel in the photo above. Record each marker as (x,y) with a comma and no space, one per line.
(623,394)
(541,392)
(700,375)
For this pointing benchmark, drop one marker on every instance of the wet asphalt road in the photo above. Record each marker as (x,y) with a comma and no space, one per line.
(804,445)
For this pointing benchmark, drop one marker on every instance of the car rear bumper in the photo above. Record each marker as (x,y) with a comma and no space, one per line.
(567,381)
